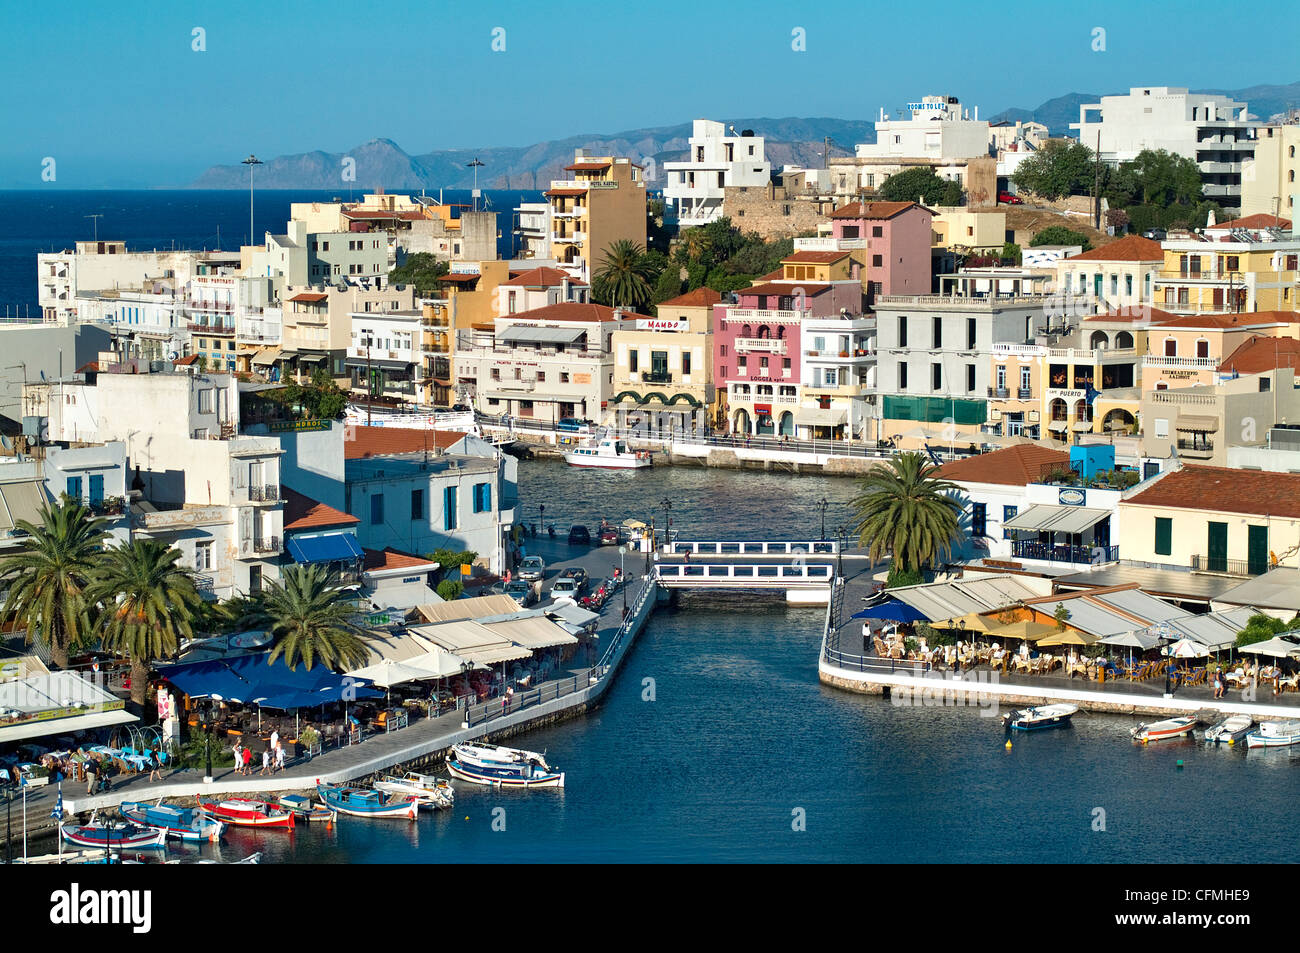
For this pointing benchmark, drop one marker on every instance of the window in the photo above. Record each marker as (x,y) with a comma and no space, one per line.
(686,363)
(1002,376)
(1162,427)
(205,401)
(877,261)
(1202,348)
(902,376)
(1008,514)
(877,231)
(74,487)
(632,360)
(1164,536)
(785,363)
(377,509)
(1025,378)
(970,334)
(902,332)
(449,508)
(978,519)
(936,326)
(482,497)
(203,555)
(417,504)
(970,377)
(1171,347)
(936,376)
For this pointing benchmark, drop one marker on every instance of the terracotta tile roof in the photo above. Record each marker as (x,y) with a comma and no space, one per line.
(1012,466)
(814,257)
(185,361)
(1231,322)
(772,275)
(302,512)
(464,277)
(542,278)
(1260,220)
(573,311)
(588,166)
(363,442)
(379,560)
(89,368)
(1262,353)
(875,210)
(311,296)
(1142,315)
(699,298)
(1128,248)
(1225,490)
(565,192)
(784,288)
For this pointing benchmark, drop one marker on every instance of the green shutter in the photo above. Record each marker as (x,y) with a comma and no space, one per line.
(1257,550)
(1164,536)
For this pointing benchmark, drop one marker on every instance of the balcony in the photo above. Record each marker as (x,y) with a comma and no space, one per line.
(1195,449)
(206,585)
(769,345)
(261,545)
(999,393)
(270,493)
(1158,360)
(1024,393)
(212,329)
(1228,567)
(656,377)
(1061,553)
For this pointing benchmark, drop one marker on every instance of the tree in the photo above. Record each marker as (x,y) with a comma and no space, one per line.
(1057,169)
(905,511)
(623,280)
(450,560)
(313,617)
(669,284)
(1060,235)
(149,602)
(920,185)
(420,269)
(1061,615)
(49,576)
(1261,628)
(450,590)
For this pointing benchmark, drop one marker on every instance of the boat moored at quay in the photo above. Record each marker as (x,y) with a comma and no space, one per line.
(497,765)
(1042,716)
(178,823)
(362,802)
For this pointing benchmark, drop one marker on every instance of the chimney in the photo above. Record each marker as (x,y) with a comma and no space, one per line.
(564,287)
(977,114)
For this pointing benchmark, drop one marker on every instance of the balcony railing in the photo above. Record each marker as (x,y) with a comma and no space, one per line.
(771,345)
(656,377)
(1195,450)
(1160,360)
(220,329)
(269,493)
(1024,393)
(262,544)
(1060,553)
(1230,567)
(999,393)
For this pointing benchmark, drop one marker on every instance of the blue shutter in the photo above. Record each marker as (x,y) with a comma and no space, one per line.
(96,488)
(74,487)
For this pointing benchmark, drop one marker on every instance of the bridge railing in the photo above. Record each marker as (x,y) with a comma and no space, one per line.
(815,547)
(775,574)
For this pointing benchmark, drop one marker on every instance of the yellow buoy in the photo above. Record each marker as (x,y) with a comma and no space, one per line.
(1008,744)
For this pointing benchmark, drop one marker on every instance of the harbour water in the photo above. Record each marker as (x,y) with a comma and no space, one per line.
(740,742)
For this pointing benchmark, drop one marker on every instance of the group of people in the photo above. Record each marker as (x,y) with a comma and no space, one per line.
(272,756)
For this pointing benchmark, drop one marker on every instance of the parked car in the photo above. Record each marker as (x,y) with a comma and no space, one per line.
(523,592)
(573,425)
(566,587)
(608,536)
(579,536)
(1006,198)
(1155,234)
(578,574)
(461,408)
(532,569)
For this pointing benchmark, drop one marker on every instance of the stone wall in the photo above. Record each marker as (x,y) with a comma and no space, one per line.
(773,212)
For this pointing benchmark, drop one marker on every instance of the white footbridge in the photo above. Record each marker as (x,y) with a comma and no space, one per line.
(804,570)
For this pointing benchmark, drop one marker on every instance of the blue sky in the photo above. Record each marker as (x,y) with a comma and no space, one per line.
(116,94)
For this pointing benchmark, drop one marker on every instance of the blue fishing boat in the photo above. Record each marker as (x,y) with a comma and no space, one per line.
(179,823)
(1043,716)
(302,807)
(364,802)
(116,837)
(497,765)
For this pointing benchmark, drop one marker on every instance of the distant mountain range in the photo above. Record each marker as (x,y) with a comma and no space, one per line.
(789,141)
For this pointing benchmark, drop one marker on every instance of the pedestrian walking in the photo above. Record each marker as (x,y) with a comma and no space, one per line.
(248,761)
(279,757)
(92,775)
(239,758)
(275,739)
(155,765)
(266,762)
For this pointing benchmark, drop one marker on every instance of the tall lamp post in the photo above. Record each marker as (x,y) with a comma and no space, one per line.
(207,750)
(622,551)
(475,165)
(251,161)
(839,551)
(821,505)
(541,515)
(667,504)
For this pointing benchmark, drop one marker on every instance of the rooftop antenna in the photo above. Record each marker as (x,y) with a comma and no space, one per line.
(97,216)
(475,165)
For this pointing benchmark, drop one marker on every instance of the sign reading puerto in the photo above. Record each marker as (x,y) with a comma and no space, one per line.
(662,324)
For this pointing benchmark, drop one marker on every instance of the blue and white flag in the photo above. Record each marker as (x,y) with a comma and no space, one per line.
(57,813)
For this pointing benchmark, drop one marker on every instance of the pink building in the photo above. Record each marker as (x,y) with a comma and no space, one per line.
(897,238)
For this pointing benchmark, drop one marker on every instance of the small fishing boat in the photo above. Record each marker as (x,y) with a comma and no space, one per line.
(1043,716)
(608,453)
(1169,728)
(508,767)
(434,791)
(179,823)
(242,812)
(1274,734)
(305,810)
(362,802)
(1229,730)
(117,837)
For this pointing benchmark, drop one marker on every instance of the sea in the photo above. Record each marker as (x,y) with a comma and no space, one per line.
(716,742)
(41,221)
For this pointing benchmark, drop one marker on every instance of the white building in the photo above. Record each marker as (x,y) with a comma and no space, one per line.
(838,376)
(386,353)
(1211,130)
(533,230)
(938,130)
(694,190)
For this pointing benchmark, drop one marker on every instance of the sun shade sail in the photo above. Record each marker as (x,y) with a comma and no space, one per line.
(324,549)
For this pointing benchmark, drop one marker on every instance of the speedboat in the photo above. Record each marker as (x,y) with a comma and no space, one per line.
(1230,730)
(117,837)
(1043,716)
(363,802)
(429,789)
(304,810)
(507,767)
(1169,728)
(180,823)
(1274,733)
(609,453)
(244,812)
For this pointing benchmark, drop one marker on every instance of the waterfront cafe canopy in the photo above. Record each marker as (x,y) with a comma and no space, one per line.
(473,642)
(1188,648)
(1067,637)
(1051,518)
(531,630)
(947,600)
(1038,632)
(249,680)
(1276,647)
(1133,640)
(893,611)
(436,663)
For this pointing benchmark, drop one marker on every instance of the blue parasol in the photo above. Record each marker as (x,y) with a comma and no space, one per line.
(894,611)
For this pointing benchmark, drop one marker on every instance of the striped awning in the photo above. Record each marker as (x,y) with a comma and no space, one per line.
(1197,423)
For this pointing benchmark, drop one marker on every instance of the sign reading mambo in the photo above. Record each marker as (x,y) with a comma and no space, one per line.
(662,324)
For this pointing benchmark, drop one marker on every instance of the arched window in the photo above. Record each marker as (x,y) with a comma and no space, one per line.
(1099,339)
(764,332)
(746,331)
(1123,340)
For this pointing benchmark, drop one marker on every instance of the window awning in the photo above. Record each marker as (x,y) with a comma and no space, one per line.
(535,335)
(21,501)
(533,396)
(267,356)
(817,417)
(1050,518)
(1058,425)
(1082,426)
(323,549)
(1197,423)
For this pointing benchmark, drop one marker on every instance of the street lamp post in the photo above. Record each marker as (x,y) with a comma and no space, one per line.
(821,505)
(207,750)
(541,515)
(667,504)
(622,551)
(839,551)
(251,161)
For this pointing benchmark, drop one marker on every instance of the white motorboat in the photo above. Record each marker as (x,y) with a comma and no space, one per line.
(434,791)
(1169,728)
(1274,734)
(1043,716)
(609,453)
(1229,730)
(507,767)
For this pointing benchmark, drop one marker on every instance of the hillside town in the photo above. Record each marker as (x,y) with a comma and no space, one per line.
(1093,341)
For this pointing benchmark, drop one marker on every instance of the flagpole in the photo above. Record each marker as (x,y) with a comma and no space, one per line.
(24,821)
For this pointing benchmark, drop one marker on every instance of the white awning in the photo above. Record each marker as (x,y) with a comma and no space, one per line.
(21,501)
(65,726)
(536,632)
(535,335)
(817,417)
(1050,518)
(1058,425)
(1082,426)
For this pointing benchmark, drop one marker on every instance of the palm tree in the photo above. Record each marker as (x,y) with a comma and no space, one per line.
(624,276)
(49,575)
(149,602)
(313,617)
(905,511)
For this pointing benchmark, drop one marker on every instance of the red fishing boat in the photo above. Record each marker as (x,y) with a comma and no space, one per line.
(242,812)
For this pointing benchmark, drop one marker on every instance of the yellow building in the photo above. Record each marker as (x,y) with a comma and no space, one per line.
(1118,275)
(604,202)
(663,375)
(1249,264)
(968,231)
(1268,181)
